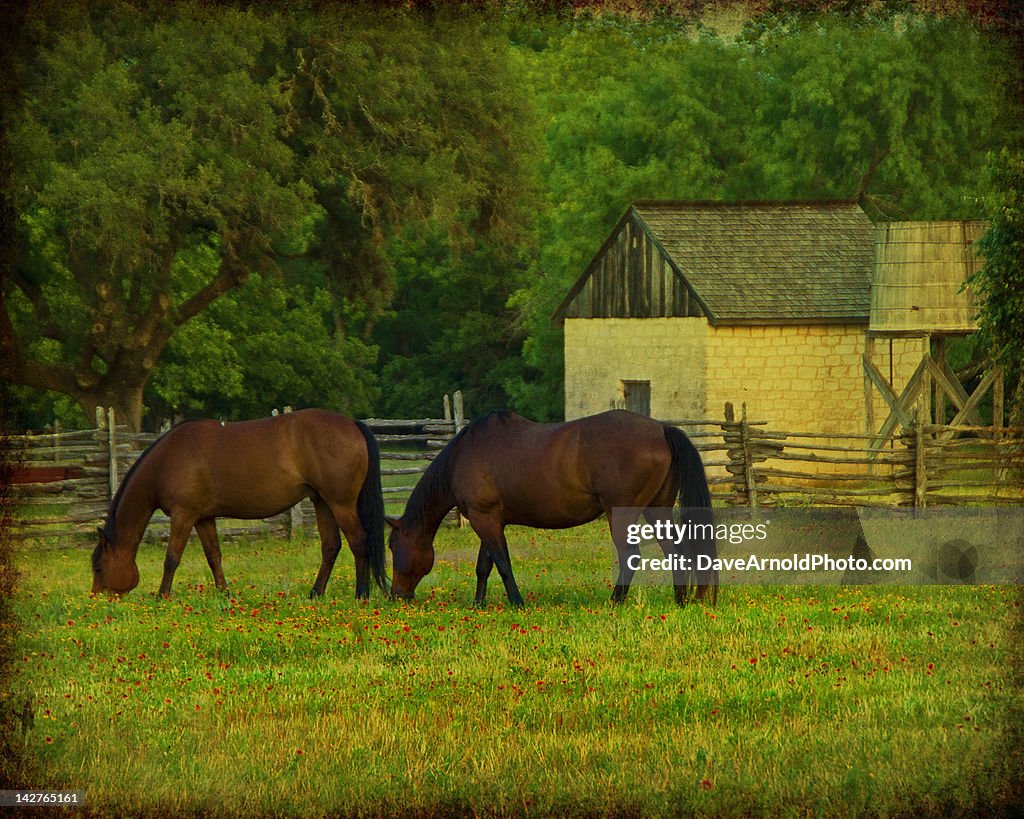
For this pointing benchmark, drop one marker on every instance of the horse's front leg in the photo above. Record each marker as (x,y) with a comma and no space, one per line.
(484,564)
(207,531)
(181,526)
(492,539)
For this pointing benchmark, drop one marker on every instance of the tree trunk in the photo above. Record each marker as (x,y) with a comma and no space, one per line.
(127,404)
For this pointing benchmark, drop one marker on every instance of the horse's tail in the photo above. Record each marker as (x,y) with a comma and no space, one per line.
(370,508)
(695,498)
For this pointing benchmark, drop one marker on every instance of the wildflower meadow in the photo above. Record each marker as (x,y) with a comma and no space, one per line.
(794,701)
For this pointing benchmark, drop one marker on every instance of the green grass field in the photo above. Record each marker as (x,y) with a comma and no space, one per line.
(783,701)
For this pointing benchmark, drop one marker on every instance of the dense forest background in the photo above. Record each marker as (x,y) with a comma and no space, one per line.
(217,210)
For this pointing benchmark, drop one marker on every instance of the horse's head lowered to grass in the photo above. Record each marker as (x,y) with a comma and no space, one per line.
(113,571)
(412,549)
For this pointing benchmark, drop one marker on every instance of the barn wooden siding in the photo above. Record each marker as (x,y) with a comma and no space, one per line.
(631,277)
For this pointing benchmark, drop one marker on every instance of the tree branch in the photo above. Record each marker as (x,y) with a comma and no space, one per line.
(159,308)
(865,180)
(47,326)
(18,369)
(230,274)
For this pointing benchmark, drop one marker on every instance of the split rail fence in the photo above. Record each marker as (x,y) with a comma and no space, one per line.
(748,464)
(63,481)
(923,465)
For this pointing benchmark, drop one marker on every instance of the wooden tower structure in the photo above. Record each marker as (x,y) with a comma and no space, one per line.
(918,291)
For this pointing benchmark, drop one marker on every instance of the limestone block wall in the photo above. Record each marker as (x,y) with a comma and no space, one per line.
(801,377)
(600,354)
(796,377)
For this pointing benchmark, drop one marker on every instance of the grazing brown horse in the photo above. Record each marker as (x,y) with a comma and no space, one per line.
(202,470)
(503,469)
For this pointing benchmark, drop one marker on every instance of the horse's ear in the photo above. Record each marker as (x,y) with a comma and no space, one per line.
(394,523)
(102,534)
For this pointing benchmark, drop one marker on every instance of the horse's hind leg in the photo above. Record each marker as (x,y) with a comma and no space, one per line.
(180,529)
(626,572)
(626,553)
(330,545)
(484,564)
(207,531)
(330,518)
(680,575)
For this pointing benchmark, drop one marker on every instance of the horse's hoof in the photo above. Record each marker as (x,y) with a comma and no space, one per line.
(314,594)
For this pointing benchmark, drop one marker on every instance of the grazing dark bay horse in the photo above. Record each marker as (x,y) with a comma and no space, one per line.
(202,470)
(503,469)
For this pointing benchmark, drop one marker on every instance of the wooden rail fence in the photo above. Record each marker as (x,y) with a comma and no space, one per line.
(748,464)
(63,481)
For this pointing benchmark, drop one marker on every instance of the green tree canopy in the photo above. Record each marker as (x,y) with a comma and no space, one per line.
(267,345)
(450,327)
(162,156)
(1000,281)
(222,210)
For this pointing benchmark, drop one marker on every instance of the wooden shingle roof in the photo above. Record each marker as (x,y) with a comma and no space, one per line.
(748,262)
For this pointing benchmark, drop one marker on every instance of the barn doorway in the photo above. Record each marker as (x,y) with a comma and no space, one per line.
(636,396)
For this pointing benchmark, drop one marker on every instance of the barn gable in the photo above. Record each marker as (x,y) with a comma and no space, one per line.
(631,276)
(734,263)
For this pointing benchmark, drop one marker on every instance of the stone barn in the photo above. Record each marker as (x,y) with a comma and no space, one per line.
(688,305)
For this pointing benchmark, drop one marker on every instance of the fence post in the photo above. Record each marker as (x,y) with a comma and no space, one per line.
(999,473)
(112,451)
(459,422)
(748,460)
(731,452)
(459,410)
(295,513)
(998,399)
(920,471)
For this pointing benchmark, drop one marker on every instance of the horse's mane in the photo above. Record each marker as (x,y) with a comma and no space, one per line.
(110,527)
(435,485)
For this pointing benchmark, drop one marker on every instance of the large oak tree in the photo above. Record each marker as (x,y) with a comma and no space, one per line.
(160,156)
